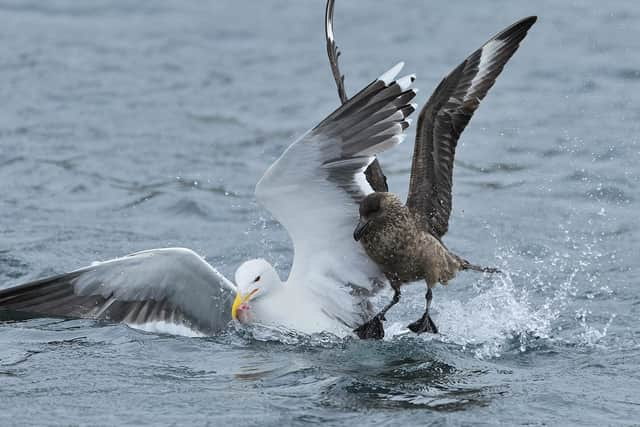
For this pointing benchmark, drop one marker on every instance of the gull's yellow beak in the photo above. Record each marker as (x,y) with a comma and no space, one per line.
(241,299)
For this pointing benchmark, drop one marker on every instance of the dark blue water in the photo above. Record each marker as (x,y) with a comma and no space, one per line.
(132,125)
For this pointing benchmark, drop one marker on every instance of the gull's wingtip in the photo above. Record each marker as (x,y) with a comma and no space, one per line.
(390,75)
(406,81)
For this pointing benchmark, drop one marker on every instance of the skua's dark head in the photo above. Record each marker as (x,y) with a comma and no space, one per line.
(372,208)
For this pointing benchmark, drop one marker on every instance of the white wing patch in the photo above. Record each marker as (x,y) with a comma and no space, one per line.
(489,51)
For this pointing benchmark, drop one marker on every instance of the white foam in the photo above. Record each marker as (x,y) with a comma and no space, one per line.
(487,323)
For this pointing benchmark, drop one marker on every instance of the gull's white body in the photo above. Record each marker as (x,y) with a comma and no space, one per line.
(319,216)
(295,308)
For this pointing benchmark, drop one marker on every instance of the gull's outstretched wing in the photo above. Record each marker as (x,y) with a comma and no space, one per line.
(443,119)
(314,189)
(173,285)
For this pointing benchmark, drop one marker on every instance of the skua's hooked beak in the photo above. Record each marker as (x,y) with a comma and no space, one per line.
(360,229)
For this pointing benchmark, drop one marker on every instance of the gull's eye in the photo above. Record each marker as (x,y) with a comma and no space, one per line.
(256,279)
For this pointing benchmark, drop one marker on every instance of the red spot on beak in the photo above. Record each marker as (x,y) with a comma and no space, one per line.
(244,313)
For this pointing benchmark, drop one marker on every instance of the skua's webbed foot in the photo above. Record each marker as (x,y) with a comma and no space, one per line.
(424,324)
(373,329)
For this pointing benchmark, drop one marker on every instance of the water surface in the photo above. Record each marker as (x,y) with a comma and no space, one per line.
(132,125)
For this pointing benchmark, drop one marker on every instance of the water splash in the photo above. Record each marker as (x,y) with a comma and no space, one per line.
(590,335)
(521,311)
(492,320)
(499,318)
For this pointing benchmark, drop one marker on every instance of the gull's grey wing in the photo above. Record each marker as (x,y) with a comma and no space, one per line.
(443,119)
(172,285)
(374,175)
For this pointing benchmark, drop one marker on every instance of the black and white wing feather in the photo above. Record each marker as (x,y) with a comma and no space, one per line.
(315,187)
(172,285)
(375,177)
(443,119)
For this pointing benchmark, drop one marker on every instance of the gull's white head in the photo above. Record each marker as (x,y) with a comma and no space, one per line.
(255,279)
